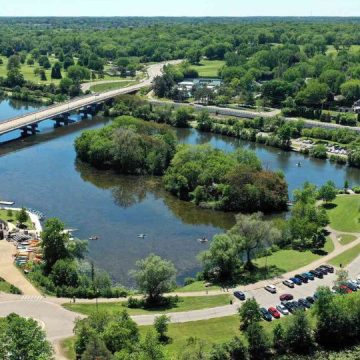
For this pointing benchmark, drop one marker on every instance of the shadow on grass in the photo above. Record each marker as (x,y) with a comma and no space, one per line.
(329,206)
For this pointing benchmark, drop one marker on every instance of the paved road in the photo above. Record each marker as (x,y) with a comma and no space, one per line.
(77,103)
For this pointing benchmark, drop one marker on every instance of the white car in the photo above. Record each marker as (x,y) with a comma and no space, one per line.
(271,288)
(282,309)
(355,283)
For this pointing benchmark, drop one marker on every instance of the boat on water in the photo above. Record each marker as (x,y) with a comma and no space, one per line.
(93,238)
(298,164)
(7,203)
(142,236)
(203,240)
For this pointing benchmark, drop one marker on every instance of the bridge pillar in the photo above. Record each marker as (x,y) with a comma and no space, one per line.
(62,120)
(29,130)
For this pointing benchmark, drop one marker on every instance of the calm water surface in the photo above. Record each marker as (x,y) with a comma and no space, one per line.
(42,172)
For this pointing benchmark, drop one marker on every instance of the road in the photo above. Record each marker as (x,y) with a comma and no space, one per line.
(86,86)
(77,103)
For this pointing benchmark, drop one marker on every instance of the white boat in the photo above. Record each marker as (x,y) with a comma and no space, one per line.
(7,203)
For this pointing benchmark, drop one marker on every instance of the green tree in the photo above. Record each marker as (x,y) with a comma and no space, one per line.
(249,313)
(77,73)
(13,63)
(195,349)
(279,342)
(161,325)
(56,71)
(23,339)
(96,350)
(253,234)
(65,273)
(351,90)
(259,343)
(22,217)
(328,191)
(150,348)
(154,276)
(314,94)
(181,117)
(54,243)
(299,336)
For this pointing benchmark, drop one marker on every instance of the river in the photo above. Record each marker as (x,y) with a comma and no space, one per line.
(41,172)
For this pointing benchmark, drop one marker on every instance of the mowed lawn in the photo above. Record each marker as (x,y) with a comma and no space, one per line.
(111,85)
(184,304)
(289,260)
(196,286)
(12,219)
(346,239)
(346,257)
(209,68)
(344,213)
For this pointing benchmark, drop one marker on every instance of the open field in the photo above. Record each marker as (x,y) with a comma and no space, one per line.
(209,68)
(347,239)
(344,213)
(196,286)
(346,257)
(184,304)
(111,86)
(289,260)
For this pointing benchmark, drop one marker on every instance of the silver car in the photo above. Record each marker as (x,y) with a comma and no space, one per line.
(282,309)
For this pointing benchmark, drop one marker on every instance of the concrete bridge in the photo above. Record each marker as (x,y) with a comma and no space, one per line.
(60,112)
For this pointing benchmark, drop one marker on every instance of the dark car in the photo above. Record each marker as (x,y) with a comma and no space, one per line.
(304,303)
(328,267)
(299,305)
(286,297)
(308,276)
(240,295)
(322,270)
(304,279)
(317,274)
(265,314)
(296,281)
(310,299)
(351,286)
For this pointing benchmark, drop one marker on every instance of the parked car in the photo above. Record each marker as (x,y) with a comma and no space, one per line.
(310,299)
(240,295)
(310,275)
(305,303)
(288,283)
(356,283)
(306,275)
(351,286)
(343,289)
(282,309)
(317,274)
(274,312)
(299,305)
(322,270)
(265,314)
(329,268)
(296,281)
(271,288)
(303,279)
(286,297)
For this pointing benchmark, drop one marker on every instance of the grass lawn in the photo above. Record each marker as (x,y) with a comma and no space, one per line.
(184,304)
(196,286)
(344,213)
(12,219)
(111,86)
(289,260)
(209,68)
(346,257)
(347,239)
(68,348)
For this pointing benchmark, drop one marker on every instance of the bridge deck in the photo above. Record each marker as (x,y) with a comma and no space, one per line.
(77,103)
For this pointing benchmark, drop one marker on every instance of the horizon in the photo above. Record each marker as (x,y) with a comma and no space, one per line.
(187,8)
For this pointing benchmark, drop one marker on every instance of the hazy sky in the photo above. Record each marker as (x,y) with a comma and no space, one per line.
(179,7)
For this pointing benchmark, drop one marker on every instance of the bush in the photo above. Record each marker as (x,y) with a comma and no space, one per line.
(188,281)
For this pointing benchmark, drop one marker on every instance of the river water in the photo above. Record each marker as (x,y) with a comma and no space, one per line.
(41,172)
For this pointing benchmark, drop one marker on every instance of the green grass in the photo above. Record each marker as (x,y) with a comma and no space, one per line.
(289,260)
(12,219)
(197,286)
(344,213)
(209,68)
(346,257)
(184,304)
(111,86)
(68,347)
(346,239)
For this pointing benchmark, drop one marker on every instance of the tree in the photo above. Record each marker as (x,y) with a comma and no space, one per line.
(54,243)
(22,217)
(77,73)
(314,94)
(96,350)
(195,349)
(23,339)
(253,234)
(182,117)
(65,85)
(279,342)
(299,336)
(249,313)
(342,277)
(42,75)
(154,276)
(14,78)
(194,56)
(150,348)
(259,343)
(68,61)
(328,191)
(65,273)
(56,71)
(13,63)
(284,133)
(161,325)
(351,90)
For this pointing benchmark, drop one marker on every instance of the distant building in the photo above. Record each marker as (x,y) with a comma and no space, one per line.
(356,107)
(188,85)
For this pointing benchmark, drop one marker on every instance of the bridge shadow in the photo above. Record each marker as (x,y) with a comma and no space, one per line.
(20,143)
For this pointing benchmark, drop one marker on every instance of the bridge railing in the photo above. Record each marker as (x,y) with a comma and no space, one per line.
(47,108)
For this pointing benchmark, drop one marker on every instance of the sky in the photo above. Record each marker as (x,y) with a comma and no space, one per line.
(179,7)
